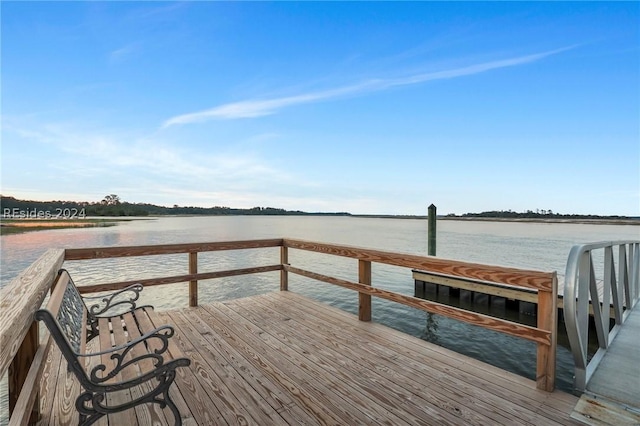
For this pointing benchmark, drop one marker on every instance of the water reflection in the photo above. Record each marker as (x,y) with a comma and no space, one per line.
(430,333)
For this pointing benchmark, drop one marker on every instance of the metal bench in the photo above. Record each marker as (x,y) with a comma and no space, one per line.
(133,353)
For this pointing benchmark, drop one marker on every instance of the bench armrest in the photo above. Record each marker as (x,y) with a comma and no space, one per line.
(107,302)
(100,374)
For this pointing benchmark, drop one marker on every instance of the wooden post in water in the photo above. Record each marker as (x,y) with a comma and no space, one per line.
(431,230)
(193,284)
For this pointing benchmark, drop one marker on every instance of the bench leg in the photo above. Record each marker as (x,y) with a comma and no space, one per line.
(91,405)
(167,401)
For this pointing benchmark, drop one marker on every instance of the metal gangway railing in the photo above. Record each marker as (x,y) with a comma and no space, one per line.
(603,277)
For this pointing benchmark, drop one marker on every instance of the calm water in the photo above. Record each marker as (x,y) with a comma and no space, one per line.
(523,245)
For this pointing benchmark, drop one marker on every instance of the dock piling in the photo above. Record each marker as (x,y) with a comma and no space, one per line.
(431,230)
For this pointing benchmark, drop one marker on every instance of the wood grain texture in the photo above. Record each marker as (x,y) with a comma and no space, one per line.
(508,327)
(118,337)
(464,373)
(47,384)
(364,299)
(22,410)
(546,354)
(127,251)
(396,376)
(21,365)
(146,413)
(20,299)
(516,277)
(193,284)
(281,358)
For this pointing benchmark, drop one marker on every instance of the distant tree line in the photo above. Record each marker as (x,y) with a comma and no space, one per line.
(538,214)
(111,205)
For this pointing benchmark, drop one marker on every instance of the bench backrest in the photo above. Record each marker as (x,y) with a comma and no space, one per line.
(66,316)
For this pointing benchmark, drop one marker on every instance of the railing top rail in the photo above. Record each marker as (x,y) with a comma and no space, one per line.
(572,268)
(601,244)
(149,250)
(538,280)
(497,274)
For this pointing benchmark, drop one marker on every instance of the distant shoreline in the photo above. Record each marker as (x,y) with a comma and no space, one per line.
(545,220)
(601,221)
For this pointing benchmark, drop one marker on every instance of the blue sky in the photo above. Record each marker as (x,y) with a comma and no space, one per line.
(378,108)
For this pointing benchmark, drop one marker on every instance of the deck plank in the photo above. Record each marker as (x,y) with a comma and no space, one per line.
(67,390)
(390,373)
(317,371)
(240,402)
(446,366)
(425,372)
(125,417)
(244,374)
(412,346)
(188,382)
(48,387)
(245,337)
(146,413)
(357,372)
(282,358)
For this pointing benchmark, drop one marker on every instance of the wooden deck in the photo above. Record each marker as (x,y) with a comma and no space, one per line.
(281,358)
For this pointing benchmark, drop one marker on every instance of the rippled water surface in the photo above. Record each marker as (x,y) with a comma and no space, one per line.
(538,246)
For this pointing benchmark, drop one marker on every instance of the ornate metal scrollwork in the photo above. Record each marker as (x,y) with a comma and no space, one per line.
(70,316)
(123,300)
(92,405)
(99,374)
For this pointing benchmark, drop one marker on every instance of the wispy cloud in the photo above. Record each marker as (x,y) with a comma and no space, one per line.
(124,52)
(262,107)
(257,108)
(127,152)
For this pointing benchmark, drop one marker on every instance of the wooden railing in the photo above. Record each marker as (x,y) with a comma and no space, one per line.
(20,349)
(620,292)
(24,357)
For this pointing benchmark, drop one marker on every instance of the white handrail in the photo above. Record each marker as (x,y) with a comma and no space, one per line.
(620,292)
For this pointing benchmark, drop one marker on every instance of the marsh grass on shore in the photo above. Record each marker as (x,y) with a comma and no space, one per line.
(16,226)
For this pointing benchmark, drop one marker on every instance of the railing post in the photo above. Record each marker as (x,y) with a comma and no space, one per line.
(193,284)
(19,368)
(547,320)
(364,300)
(284,275)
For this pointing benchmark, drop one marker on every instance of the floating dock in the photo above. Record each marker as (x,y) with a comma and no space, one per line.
(520,299)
